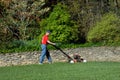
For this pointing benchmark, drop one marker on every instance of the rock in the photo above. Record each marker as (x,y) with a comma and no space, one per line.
(89,53)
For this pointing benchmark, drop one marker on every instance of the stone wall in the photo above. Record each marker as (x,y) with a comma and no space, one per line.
(88,53)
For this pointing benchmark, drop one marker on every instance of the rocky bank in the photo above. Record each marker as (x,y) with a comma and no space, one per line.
(88,53)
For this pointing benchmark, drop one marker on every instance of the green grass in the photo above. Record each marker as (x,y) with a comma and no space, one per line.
(63,71)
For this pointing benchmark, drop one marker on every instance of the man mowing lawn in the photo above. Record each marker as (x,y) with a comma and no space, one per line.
(45,52)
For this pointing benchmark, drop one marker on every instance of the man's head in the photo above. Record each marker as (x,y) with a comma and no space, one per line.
(48,32)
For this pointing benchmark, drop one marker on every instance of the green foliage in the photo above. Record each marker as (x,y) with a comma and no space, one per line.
(34,45)
(20,46)
(63,29)
(23,14)
(79,13)
(18,21)
(107,30)
(19,16)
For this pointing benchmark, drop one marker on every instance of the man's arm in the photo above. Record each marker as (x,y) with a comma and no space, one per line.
(50,42)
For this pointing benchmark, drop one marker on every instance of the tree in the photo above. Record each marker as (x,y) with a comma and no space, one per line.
(63,29)
(4,36)
(87,12)
(22,13)
(81,13)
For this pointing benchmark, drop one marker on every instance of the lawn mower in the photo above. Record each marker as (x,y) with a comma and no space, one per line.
(76,57)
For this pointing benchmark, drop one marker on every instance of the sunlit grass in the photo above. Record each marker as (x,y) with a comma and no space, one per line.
(63,71)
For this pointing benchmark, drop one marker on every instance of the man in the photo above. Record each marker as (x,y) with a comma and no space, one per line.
(45,52)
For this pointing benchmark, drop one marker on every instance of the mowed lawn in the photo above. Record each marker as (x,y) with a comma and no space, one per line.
(63,71)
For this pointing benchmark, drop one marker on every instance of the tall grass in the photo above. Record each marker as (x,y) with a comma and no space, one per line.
(63,71)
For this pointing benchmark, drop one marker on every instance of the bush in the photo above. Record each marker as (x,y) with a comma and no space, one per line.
(20,46)
(31,45)
(63,29)
(107,30)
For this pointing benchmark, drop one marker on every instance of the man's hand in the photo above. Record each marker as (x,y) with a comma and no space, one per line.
(54,44)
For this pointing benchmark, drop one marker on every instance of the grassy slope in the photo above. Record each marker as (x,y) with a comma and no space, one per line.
(63,71)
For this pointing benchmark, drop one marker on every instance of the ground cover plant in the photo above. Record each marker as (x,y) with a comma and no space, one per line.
(63,71)
(35,46)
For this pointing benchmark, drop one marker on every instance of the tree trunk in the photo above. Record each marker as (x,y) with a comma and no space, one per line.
(116,5)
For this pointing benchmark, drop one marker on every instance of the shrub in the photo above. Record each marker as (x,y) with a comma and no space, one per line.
(63,29)
(20,46)
(106,30)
